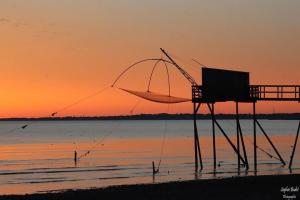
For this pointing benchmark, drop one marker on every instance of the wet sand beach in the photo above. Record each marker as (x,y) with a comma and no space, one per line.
(251,187)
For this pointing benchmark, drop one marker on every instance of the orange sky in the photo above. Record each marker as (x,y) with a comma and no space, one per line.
(53,53)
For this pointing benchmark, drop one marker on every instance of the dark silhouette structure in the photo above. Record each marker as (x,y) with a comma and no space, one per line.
(75,157)
(220,85)
(224,85)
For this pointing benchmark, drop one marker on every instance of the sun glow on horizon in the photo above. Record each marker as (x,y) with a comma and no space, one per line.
(49,60)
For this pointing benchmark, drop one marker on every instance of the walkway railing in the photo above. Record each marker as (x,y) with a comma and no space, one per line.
(259,93)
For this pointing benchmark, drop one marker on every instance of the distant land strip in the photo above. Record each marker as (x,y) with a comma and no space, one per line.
(163,116)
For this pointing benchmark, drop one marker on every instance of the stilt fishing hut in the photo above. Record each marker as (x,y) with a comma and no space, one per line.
(219,85)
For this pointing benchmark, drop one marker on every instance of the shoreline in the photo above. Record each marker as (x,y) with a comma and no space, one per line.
(248,187)
(162,116)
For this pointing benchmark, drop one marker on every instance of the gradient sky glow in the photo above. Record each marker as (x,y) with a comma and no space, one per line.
(54,52)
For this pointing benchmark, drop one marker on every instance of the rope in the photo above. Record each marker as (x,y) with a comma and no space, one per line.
(24,126)
(135,106)
(163,141)
(79,101)
(14,129)
(94,147)
(188,61)
(100,142)
(198,63)
(260,148)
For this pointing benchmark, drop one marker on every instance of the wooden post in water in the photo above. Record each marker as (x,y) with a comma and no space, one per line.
(196,138)
(243,145)
(75,157)
(153,168)
(214,135)
(237,133)
(254,136)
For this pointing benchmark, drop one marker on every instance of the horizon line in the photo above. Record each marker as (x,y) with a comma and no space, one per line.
(145,115)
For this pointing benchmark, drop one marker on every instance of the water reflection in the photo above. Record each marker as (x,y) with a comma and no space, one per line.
(49,164)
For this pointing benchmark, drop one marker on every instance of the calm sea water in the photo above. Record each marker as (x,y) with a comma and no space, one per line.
(40,158)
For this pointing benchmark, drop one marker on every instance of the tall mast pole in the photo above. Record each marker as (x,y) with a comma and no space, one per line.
(183,72)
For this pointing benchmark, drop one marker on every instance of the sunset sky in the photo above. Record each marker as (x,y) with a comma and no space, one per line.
(54,52)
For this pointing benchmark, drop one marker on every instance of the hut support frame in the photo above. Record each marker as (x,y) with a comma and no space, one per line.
(240,139)
(196,107)
(294,147)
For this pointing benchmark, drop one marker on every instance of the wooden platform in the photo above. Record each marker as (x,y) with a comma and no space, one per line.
(256,93)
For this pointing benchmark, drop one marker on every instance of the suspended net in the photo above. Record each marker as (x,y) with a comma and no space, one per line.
(155,97)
